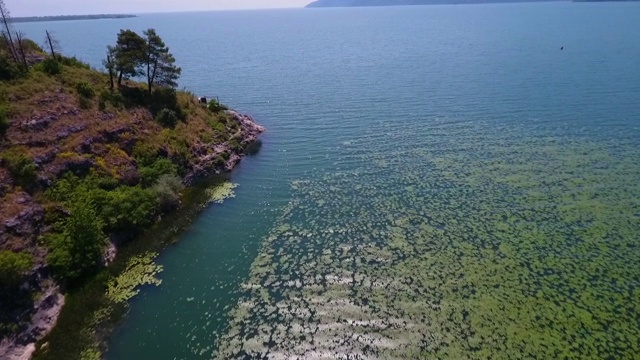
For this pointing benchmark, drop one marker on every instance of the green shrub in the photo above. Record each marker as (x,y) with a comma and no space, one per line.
(135,96)
(150,174)
(168,189)
(119,208)
(4,120)
(217,126)
(145,153)
(51,66)
(77,251)
(125,208)
(55,217)
(85,90)
(8,69)
(21,167)
(167,118)
(13,266)
(214,106)
(166,98)
(114,98)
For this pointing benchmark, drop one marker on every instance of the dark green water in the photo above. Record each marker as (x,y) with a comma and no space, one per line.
(436,182)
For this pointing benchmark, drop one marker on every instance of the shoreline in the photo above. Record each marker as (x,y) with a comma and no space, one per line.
(54,324)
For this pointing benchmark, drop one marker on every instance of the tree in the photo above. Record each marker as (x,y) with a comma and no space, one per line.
(109,64)
(52,43)
(129,54)
(78,250)
(160,63)
(22,53)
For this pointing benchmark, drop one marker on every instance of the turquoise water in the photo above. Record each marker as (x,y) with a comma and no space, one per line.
(435,182)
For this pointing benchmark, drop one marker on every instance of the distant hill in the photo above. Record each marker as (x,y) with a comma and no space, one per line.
(69,17)
(350,3)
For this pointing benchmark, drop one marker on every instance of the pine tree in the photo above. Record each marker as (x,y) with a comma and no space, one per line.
(129,55)
(160,63)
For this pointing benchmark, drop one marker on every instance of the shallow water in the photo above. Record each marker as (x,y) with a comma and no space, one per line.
(435,181)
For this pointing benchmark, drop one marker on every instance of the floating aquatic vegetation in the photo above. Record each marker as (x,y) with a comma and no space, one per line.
(141,270)
(221,192)
(477,246)
(91,354)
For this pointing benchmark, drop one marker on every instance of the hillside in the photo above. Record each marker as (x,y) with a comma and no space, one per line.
(355,3)
(86,165)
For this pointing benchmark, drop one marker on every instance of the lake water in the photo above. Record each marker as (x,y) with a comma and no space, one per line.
(436,182)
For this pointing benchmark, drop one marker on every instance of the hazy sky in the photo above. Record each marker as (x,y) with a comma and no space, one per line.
(74,7)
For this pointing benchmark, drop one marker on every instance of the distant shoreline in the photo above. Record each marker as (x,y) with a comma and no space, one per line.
(370,3)
(27,19)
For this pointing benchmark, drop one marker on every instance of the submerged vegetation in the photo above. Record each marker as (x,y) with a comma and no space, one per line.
(141,270)
(485,246)
(221,192)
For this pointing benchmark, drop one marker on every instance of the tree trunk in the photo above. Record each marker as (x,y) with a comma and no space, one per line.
(152,77)
(22,53)
(5,20)
(120,79)
(149,82)
(110,67)
(53,53)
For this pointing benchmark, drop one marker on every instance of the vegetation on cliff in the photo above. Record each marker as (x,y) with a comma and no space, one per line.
(88,157)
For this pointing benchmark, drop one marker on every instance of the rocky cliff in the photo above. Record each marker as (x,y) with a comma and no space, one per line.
(70,124)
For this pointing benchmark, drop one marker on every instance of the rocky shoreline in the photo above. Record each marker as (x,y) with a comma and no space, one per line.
(48,306)
(207,165)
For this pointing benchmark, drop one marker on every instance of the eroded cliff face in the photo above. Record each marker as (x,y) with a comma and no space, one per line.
(44,314)
(207,162)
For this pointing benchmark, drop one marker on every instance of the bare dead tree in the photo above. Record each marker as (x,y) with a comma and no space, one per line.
(23,55)
(6,31)
(110,65)
(54,45)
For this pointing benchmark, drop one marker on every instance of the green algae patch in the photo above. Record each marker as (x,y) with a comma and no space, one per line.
(141,270)
(475,246)
(221,192)
(91,354)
